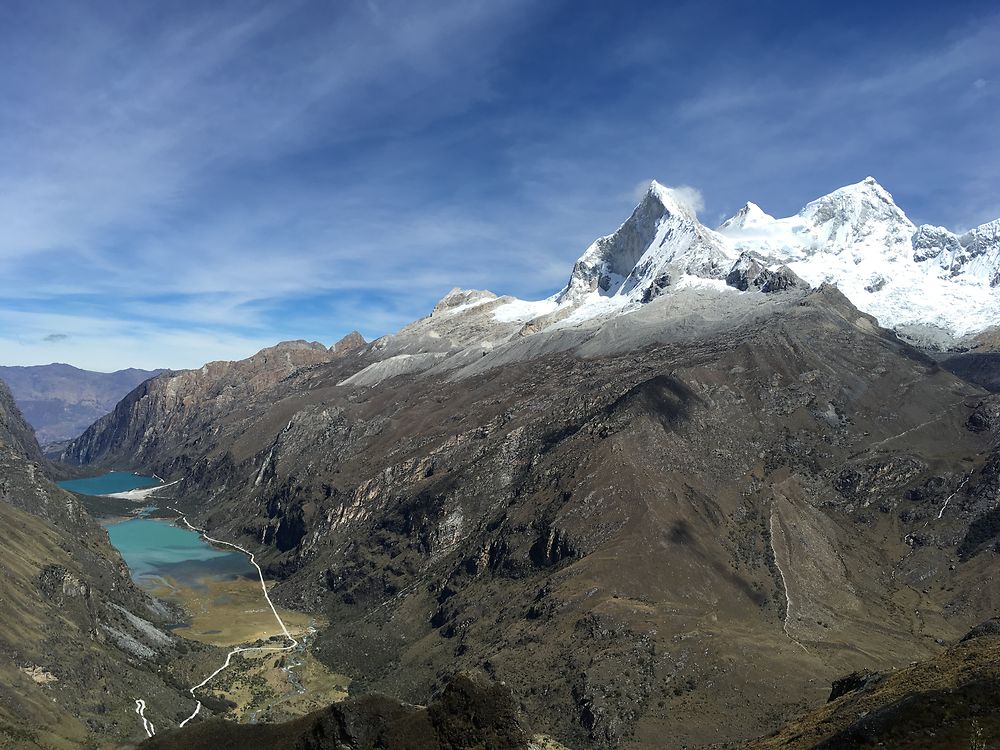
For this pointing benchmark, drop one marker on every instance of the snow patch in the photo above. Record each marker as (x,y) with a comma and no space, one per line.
(518,311)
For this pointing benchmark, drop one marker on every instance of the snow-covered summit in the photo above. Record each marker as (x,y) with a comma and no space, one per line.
(669,269)
(661,241)
(859,239)
(918,280)
(748,217)
(856,237)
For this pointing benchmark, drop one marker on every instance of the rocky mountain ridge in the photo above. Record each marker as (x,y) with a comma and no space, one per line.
(188,401)
(936,288)
(943,703)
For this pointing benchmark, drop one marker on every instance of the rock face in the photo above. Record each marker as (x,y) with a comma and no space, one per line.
(662,238)
(16,436)
(193,402)
(61,401)
(748,273)
(69,607)
(854,681)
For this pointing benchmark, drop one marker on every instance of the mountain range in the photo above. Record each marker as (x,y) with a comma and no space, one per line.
(668,506)
(856,238)
(716,471)
(936,289)
(60,401)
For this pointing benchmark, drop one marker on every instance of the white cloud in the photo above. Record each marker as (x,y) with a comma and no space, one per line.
(106,344)
(640,190)
(690,197)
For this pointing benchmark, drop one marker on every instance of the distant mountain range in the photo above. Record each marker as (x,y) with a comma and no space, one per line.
(60,401)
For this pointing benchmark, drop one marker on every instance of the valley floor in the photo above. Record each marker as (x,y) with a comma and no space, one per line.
(275,683)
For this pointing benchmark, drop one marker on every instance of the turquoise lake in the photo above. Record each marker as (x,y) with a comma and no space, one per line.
(115,481)
(156,549)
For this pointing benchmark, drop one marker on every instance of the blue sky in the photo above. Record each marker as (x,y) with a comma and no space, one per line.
(182,182)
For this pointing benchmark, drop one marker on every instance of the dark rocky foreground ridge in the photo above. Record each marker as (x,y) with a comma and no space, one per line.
(673,529)
(468,714)
(950,701)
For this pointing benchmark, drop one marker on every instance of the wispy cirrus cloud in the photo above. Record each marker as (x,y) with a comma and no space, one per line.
(192,181)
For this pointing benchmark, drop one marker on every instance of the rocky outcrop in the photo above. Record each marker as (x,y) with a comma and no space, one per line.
(861,680)
(749,273)
(349,344)
(469,713)
(16,436)
(987,629)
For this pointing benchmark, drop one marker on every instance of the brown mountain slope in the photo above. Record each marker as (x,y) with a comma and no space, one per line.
(947,702)
(638,539)
(190,404)
(78,642)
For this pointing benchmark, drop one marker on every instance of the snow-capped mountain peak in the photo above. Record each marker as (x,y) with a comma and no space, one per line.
(980,254)
(748,217)
(855,237)
(661,240)
(859,239)
(673,201)
(926,282)
(852,214)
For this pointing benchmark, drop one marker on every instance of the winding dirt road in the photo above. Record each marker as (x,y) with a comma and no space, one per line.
(140,705)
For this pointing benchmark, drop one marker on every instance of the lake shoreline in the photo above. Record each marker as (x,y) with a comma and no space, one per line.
(116,497)
(110,483)
(215,595)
